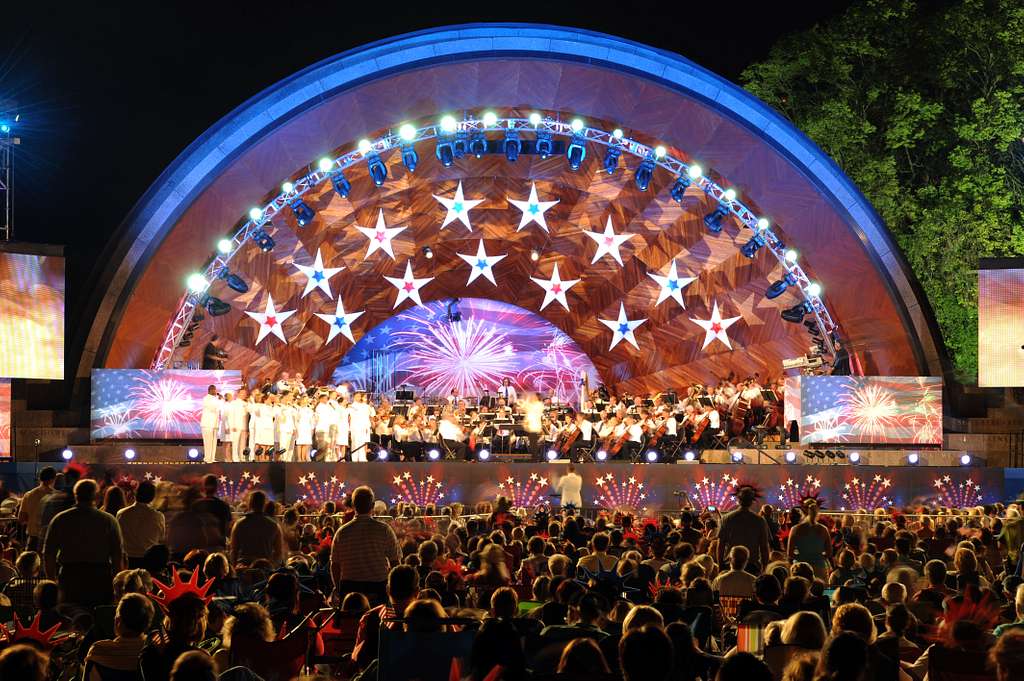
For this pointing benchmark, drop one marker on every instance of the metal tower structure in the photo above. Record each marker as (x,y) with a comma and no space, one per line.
(7,143)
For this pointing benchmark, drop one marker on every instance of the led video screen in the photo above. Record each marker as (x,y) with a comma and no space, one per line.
(5,418)
(139,404)
(423,350)
(1001,324)
(31,316)
(871,409)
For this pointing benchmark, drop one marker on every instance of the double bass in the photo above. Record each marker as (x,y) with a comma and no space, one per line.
(659,432)
(569,436)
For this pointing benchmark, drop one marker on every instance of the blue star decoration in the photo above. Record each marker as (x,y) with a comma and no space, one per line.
(317,276)
(604,581)
(481,263)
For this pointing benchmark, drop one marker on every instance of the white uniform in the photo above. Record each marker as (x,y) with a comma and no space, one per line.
(286,431)
(569,486)
(359,414)
(238,420)
(251,410)
(323,425)
(265,430)
(586,430)
(304,426)
(209,422)
(340,425)
(508,393)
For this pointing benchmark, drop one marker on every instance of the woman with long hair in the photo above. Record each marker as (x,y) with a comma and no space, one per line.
(810,541)
(113,500)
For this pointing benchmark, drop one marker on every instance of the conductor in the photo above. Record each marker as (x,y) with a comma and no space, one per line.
(569,486)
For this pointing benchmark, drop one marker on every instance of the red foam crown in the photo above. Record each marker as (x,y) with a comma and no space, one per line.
(177,588)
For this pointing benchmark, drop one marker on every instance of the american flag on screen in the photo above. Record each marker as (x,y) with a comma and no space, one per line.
(153,405)
(5,418)
(871,409)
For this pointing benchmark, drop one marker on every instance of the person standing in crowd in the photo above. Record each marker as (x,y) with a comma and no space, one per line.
(810,541)
(569,486)
(743,527)
(60,499)
(223,427)
(31,509)
(323,427)
(257,536)
(266,429)
(286,426)
(340,436)
(363,551)
(238,424)
(84,549)
(209,422)
(212,505)
(360,425)
(141,526)
(305,419)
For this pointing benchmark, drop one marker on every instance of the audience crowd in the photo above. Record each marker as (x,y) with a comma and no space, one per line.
(154,582)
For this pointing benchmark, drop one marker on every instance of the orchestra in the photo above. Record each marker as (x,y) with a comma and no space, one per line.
(286,420)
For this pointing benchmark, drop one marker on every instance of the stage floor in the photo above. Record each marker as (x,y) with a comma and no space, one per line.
(643,487)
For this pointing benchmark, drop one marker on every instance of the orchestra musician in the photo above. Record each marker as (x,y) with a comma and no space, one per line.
(585,440)
(507,392)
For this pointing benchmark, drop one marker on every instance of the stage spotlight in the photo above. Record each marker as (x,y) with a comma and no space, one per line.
(660,151)
(433,455)
(535,119)
(611,159)
(965,459)
(341,184)
(576,152)
(779,287)
(713,220)
(534,255)
(854,457)
(602,455)
(382,454)
(255,214)
(814,289)
(67,455)
(364,147)
(378,171)
(448,124)
(410,159)
(428,252)
(461,144)
(751,248)
(215,306)
(694,171)
(809,454)
(197,283)
(234,282)
(679,188)
(484,454)
(830,454)
(763,224)
(193,454)
(651,456)
(407,132)
(913,458)
(325,164)
(617,133)
(544,145)
(263,241)
(840,454)
(551,455)
(576,125)
(644,173)
(490,119)
(689,455)
(796,313)
(790,456)
(736,456)
(791,255)
(129,454)
(478,144)
(729,195)
(287,187)
(225,246)
(303,213)
(512,145)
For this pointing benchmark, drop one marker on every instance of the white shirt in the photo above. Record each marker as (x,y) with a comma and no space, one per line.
(325,416)
(237,414)
(211,412)
(507,392)
(569,486)
(449,431)
(671,427)
(636,432)
(715,419)
(586,430)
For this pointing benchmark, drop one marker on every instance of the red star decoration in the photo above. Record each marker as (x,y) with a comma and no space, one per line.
(556,289)
(716,327)
(381,236)
(408,286)
(271,321)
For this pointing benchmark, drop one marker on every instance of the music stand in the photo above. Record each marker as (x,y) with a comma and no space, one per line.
(769,396)
(404,395)
(705,402)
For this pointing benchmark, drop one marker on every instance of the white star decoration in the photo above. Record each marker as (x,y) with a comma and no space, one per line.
(380,236)
(458,208)
(555,288)
(340,321)
(533,209)
(317,276)
(270,320)
(622,328)
(408,286)
(672,285)
(608,242)
(481,263)
(715,327)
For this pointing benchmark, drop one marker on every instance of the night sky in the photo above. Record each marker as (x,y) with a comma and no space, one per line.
(110,95)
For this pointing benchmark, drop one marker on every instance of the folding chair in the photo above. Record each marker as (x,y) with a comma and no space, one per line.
(951,664)
(426,656)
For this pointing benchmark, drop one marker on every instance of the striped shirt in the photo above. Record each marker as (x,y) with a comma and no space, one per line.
(364,549)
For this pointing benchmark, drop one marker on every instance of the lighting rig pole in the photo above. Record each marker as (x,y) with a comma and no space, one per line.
(7,144)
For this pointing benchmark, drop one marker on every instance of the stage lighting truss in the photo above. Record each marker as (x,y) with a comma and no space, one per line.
(474,127)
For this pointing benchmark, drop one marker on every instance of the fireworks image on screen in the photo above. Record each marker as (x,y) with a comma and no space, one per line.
(792,493)
(957,495)
(163,404)
(406,488)
(524,494)
(864,495)
(235,490)
(829,429)
(709,493)
(558,368)
(318,492)
(119,421)
(625,497)
(872,410)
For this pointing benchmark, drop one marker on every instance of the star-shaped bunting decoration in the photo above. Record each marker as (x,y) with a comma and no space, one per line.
(458,208)
(270,320)
(555,288)
(481,263)
(340,321)
(318,276)
(408,286)
(533,209)
(672,285)
(715,327)
(622,328)
(380,236)
(608,242)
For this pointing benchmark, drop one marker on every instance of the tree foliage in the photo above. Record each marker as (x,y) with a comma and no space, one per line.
(922,105)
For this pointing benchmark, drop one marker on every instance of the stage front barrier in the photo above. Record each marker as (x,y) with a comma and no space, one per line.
(640,488)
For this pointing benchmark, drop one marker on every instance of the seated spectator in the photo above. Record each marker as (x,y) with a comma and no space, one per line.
(402,588)
(641,616)
(248,623)
(689,661)
(804,629)
(794,594)
(424,615)
(21,589)
(194,665)
(1007,656)
(844,658)
(743,667)
(897,622)
(736,581)
(767,591)
(24,663)
(498,642)
(598,560)
(583,621)
(131,622)
(46,597)
(801,667)
(582,658)
(185,627)
(493,574)
(1019,608)
(644,652)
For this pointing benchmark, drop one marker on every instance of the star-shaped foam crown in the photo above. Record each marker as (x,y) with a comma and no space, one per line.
(177,588)
(33,634)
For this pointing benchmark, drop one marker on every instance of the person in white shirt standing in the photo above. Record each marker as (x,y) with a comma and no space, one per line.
(569,486)
(238,424)
(209,422)
(304,420)
(223,434)
(360,414)
(507,392)
(341,432)
(286,424)
(266,431)
(324,427)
